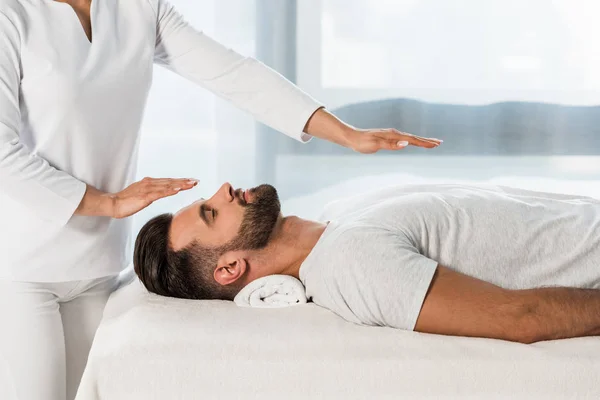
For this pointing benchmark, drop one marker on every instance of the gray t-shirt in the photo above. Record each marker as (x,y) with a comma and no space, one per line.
(375,261)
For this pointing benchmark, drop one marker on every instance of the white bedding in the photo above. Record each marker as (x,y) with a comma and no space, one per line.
(149,347)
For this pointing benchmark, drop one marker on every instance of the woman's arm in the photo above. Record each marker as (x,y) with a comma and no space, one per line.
(244,81)
(259,90)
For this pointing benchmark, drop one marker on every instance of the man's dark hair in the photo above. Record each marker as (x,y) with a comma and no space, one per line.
(186,273)
(189,273)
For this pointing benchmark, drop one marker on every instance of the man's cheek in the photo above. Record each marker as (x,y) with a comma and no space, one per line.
(232,228)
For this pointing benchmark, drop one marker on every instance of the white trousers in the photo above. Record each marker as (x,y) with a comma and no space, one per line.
(46,333)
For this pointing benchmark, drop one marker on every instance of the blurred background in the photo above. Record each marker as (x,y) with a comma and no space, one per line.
(511,86)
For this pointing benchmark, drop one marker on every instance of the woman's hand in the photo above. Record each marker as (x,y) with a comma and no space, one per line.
(132,199)
(369,141)
(140,195)
(325,125)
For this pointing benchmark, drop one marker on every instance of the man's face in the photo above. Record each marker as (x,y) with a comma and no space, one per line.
(242,220)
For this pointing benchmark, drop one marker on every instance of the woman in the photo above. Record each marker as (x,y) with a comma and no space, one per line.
(74,77)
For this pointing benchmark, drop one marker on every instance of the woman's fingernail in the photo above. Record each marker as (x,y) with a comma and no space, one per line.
(402,143)
(177,189)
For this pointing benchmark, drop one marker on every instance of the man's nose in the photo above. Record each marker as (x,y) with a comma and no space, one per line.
(227,192)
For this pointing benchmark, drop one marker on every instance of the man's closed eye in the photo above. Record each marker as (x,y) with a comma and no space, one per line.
(207,214)
(211,214)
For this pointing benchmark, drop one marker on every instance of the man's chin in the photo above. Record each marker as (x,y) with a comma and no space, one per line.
(265,193)
(263,189)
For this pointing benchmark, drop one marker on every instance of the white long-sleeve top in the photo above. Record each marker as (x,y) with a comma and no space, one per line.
(70,114)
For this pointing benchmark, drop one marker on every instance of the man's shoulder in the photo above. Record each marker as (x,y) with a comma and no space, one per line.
(340,241)
(351,239)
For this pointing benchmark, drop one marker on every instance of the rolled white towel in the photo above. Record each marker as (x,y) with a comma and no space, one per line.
(273,291)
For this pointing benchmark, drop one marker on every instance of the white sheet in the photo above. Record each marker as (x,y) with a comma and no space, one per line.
(149,347)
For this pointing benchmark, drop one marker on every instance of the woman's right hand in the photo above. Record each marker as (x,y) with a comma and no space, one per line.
(132,199)
(140,195)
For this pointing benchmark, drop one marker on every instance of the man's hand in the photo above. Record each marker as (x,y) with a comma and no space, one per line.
(370,141)
(132,199)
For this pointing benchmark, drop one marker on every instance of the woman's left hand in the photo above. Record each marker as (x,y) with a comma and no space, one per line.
(325,125)
(368,141)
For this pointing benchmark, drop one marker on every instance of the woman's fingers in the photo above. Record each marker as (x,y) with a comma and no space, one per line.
(414,140)
(419,141)
(418,138)
(395,144)
(152,189)
(172,185)
(394,140)
(170,182)
(159,194)
(169,187)
(167,184)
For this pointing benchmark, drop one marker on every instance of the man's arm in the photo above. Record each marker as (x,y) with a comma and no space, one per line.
(460,305)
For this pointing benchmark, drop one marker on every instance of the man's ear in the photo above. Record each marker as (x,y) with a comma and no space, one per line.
(231,267)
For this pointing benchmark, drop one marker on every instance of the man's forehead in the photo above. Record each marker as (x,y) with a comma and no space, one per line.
(189,207)
(184,225)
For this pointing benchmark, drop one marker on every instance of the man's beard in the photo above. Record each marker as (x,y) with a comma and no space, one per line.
(260,218)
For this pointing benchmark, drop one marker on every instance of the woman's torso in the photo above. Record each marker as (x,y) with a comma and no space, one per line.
(81,107)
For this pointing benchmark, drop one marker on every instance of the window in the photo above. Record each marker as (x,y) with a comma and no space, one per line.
(511,86)
(464,51)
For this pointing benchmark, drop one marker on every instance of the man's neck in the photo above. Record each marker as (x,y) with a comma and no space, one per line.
(293,240)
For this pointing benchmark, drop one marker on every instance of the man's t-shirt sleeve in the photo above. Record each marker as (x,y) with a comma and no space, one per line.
(386,279)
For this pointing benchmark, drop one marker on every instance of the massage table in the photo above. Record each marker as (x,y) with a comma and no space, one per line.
(151,347)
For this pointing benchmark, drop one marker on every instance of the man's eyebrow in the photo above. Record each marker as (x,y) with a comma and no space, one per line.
(203,213)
